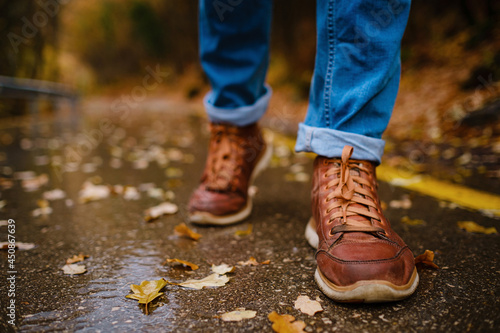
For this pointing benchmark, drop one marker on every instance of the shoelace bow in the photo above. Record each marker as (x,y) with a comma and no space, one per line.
(223,164)
(353,197)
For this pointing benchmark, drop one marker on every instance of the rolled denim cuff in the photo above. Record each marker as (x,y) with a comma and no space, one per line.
(329,143)
(240,116)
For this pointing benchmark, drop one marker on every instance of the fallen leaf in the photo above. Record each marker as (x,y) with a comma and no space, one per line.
(42,211)
(6,183)
(131,193)
(427,259)
(76,258)
(19,246)
(74,269)
(222,269)
(173,172)
(162,209)
(286,323)
(213,280)
(182,262)
(300,177)
(238,315)
(175,154)
(409,221)
(147,291)
(253,262)
(34,183)
(246,232)
(44,208)
(404,203)
(22,175)
(182,230)
(4,223)
(307,306)
(156,193)
(91,192)
(471,226)
(55,194)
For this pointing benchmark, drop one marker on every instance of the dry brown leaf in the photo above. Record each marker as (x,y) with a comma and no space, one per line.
(238,315)
(182,262)
(182,230)
(471,226)
(286,323)
(307,306)
(74,269)
(162,209)
(213,280)
(427,259)
(246,232)
(222,269)
(253,262)
(76,258)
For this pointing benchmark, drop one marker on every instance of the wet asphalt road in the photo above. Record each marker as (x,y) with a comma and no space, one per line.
(462,296)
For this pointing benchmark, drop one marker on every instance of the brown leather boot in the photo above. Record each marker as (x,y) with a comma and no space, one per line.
(360,258)
(235,156)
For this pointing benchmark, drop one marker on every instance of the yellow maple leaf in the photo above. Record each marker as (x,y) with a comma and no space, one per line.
(183,230)
(147,291)
(182,262)
(427,258)
(286,323)
(471,226)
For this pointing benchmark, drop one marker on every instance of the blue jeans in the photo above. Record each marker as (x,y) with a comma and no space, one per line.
(355,79)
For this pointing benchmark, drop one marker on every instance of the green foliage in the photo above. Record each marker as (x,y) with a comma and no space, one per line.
(26,29)
(147,28)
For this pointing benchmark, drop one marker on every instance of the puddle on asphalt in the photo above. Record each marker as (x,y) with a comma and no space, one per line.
(100,304)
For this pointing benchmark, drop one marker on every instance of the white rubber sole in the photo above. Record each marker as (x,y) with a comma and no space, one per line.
(206,218)
(370,291)
(311,234)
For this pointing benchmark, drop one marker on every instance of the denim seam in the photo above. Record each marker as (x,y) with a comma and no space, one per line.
(331,57)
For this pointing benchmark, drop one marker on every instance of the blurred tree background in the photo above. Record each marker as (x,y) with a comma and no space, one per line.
(449,100)
(114,39)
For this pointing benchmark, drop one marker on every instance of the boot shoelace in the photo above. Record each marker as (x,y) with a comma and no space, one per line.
(352,198)
(223,164)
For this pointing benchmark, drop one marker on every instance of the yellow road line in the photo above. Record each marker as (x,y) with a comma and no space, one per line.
(463,196)
(485,202)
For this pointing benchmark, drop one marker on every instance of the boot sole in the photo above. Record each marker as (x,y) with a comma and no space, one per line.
(206,218)
(365,291)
